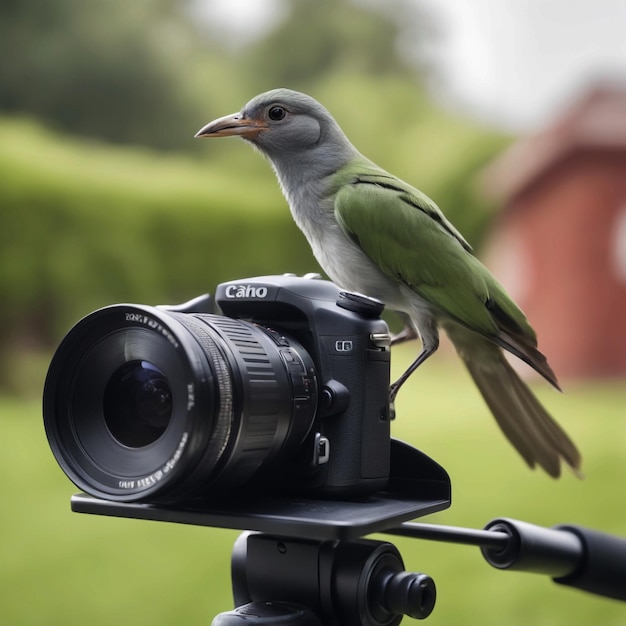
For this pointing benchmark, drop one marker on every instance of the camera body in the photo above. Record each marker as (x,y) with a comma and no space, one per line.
(277,384)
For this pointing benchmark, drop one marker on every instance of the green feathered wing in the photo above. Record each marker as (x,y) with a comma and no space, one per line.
(410,239)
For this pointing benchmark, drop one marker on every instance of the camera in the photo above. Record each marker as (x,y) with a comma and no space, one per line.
(277,384)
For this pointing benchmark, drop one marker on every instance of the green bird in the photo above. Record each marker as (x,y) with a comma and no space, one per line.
(375,234)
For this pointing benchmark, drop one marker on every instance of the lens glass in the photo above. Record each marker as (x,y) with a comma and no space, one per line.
(123,405)
(137,404)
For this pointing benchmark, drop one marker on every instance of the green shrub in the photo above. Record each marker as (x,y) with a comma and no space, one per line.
(83,226)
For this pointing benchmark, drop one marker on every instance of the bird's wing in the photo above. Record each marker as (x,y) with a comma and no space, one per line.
(408,237)
(411,196)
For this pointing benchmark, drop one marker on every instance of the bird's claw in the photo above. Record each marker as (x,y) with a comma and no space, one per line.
(393,390)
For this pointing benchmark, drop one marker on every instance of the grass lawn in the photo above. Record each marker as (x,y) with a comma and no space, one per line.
(57,567)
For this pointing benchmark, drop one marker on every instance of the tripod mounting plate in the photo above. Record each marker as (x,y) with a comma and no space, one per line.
(417,486)
(285,517)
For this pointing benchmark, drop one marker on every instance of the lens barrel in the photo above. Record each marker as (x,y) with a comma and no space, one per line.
(141,402)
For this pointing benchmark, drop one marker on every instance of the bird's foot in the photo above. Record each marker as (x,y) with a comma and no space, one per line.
(392,411)
(393,391)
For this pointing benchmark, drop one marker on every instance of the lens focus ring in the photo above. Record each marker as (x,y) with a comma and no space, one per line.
(261,395)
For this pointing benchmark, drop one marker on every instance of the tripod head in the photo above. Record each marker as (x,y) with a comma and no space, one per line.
(303,561)
(347,582)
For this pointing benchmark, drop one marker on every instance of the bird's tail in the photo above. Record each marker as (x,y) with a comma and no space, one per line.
(526,423)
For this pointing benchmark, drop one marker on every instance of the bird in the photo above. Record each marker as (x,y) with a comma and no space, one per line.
(373,233)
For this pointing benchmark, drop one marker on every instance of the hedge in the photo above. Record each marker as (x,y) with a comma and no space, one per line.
(83,226)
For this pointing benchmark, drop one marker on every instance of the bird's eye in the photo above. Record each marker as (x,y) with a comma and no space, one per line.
(276,113)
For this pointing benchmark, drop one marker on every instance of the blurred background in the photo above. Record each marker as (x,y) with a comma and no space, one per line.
(512,116)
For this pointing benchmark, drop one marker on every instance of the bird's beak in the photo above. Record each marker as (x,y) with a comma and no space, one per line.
(235,124)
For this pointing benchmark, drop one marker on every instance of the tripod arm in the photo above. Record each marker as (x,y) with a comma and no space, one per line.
(571,555)
(602,566)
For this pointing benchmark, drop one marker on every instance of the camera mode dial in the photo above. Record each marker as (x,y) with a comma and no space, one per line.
(358,303)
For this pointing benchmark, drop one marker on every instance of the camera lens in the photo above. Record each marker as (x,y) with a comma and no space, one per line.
(137,404)
(140,402)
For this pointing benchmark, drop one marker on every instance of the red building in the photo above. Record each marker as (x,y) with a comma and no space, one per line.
(559,243)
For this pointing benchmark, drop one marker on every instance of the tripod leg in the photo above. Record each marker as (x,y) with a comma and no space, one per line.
(268,614)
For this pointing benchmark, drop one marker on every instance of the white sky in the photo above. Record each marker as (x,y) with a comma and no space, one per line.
(516,60)
(512,62)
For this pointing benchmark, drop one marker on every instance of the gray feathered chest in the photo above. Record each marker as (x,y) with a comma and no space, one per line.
(312,206)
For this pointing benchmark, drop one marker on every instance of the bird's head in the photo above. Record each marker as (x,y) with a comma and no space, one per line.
(285,124)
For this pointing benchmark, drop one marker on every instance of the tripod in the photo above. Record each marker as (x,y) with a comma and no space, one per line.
(363,583)
(305,563)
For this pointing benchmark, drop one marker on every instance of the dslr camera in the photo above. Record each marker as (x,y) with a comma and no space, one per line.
(277,384)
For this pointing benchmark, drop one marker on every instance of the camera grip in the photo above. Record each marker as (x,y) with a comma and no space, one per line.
(359,436)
